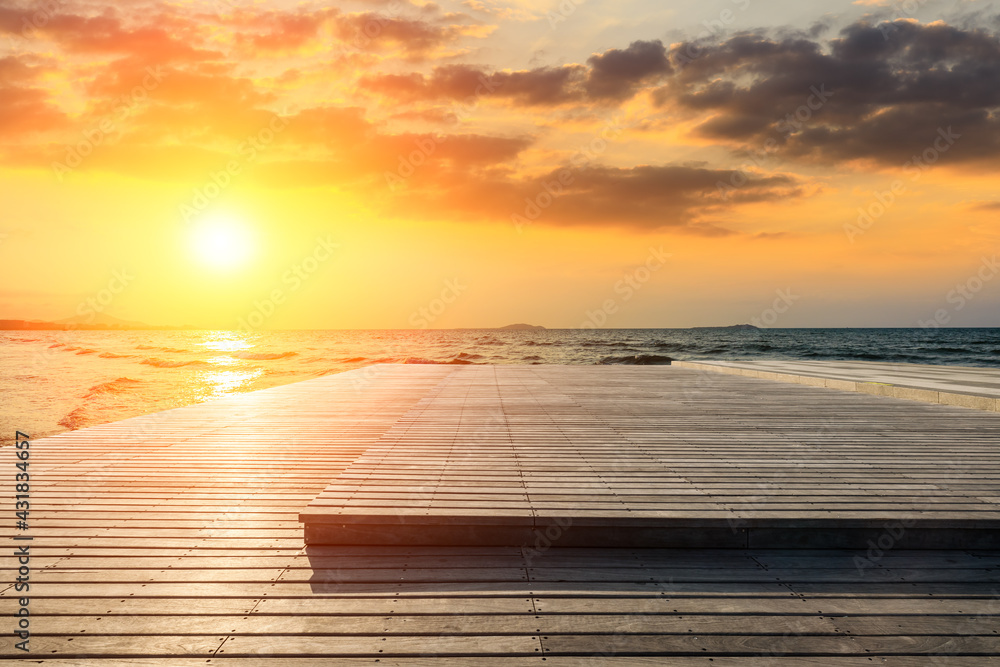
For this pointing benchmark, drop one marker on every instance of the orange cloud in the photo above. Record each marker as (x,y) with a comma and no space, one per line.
(109,33)
(275,31)
(25,104)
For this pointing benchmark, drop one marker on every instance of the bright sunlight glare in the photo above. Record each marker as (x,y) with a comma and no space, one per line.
(222,242)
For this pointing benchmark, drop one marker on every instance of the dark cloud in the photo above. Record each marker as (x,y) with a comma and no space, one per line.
(884,92)
(617,72)
(612,76)
(541,86)
(644,196)
(456,150)
(371,31)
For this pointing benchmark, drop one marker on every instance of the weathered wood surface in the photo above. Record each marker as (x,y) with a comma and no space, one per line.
(667,458)
(965,386)
(173,540)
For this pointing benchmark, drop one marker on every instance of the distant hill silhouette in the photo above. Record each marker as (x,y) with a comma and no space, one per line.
(732,327)
(97,322)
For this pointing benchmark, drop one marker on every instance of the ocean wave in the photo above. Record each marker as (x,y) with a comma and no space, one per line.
(171,350)
(879,356)
(317,360)
(466,355)
(859,356)
(86,350)
(112,355)
(328,371)
(74,420)
(637,360)
(532,357)
(57,345)
(372,361)
(493,341)
(692,348)
(160,363)
(263,356)
(112,387)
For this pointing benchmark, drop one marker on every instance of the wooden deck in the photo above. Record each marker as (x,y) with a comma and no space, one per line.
(653,457)
(964,386)
(174,539)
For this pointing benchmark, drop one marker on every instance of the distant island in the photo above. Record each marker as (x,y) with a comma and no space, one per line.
(732,327)
(523,327)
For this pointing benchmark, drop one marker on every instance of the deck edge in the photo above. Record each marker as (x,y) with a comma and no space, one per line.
(974,401)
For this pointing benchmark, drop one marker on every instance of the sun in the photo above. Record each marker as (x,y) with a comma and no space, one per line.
(223,242)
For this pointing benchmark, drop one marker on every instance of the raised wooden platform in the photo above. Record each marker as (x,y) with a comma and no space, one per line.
(963,386)
(665,457)
(173,540)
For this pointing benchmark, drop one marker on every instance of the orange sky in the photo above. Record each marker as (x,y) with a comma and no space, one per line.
(311,165)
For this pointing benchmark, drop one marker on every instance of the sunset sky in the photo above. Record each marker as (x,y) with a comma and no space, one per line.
(394,164)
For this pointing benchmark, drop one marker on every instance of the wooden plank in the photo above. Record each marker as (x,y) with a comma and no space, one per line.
(455,624)
(788,644)
(289,606)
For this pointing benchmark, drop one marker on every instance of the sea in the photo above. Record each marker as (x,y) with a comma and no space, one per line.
(55,381)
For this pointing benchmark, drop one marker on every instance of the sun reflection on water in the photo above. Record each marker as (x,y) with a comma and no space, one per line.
(216,384)
(219,383)
(226,341)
